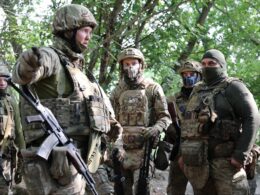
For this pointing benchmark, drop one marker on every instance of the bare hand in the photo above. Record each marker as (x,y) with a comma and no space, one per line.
(236,164)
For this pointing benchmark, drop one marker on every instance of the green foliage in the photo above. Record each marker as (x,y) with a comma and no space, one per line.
(162,30)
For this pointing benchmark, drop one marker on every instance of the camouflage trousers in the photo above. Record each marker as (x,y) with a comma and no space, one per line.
(12,188)
(5,176)
(40,180)
(177,181)
(131,181)
(224,179)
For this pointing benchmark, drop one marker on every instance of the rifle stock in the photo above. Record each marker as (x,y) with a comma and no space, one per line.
(56,135)
(175,122)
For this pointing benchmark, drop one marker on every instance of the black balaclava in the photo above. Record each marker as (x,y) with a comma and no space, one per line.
(212,75)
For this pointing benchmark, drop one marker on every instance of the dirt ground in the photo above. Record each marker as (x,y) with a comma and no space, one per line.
(160,181)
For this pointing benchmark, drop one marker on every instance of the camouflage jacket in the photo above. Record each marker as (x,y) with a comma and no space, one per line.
(156,111)
(9,105)
(233,116)
(61,85)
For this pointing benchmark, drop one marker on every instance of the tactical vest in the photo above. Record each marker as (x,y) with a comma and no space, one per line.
(181,102)
(135,113)
(6,120)
(202,103)
(203,139)
(81,111)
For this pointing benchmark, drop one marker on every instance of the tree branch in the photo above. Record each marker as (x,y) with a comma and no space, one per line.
(200,22)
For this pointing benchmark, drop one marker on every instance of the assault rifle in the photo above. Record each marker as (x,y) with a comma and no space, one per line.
(143,180)
(118,178)
(175,122)
(56,135)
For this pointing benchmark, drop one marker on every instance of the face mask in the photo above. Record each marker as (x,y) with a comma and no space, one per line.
(212,74)
(131,72)
(190,81)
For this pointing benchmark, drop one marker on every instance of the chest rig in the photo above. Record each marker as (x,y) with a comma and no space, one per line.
(181,102)
(6,119)
(201,109)
(134,114)
(82,110)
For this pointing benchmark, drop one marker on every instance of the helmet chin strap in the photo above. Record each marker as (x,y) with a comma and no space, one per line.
(70,37)
(73,42)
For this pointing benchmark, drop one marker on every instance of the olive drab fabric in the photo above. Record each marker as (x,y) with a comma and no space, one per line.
(177,180)
(213,132)
(133,107)
(11,139)
(4,70)
(132,113)
(82,108)
(200,110)
(131,53)
(72,111)
(190,65)
(72,17)
(137,109)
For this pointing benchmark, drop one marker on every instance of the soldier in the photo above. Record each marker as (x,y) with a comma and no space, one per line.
(141,108)
(219,130)
(11,134)
(190,71)
(82,108)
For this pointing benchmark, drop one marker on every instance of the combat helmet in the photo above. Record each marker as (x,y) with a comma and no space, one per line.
(4,70)
(190,65)
(72,17)
(132,53)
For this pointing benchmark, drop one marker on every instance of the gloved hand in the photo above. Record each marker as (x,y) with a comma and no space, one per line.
(171,135)
(30,62)
(115,132)
(150,132)
(120,153)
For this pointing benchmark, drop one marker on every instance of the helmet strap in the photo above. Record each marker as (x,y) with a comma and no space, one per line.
(70,37)
(73,42)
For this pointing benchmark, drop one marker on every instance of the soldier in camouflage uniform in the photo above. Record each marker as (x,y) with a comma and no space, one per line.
(11,139)
(190,72)
(141,108)
(219,130)
(83,110)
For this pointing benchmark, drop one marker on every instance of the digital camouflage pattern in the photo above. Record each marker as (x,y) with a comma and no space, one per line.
(11,135)
(137,110)
(190,65)
(212,134)
(77,101)
(131,53)
(72,17)
(177,181)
